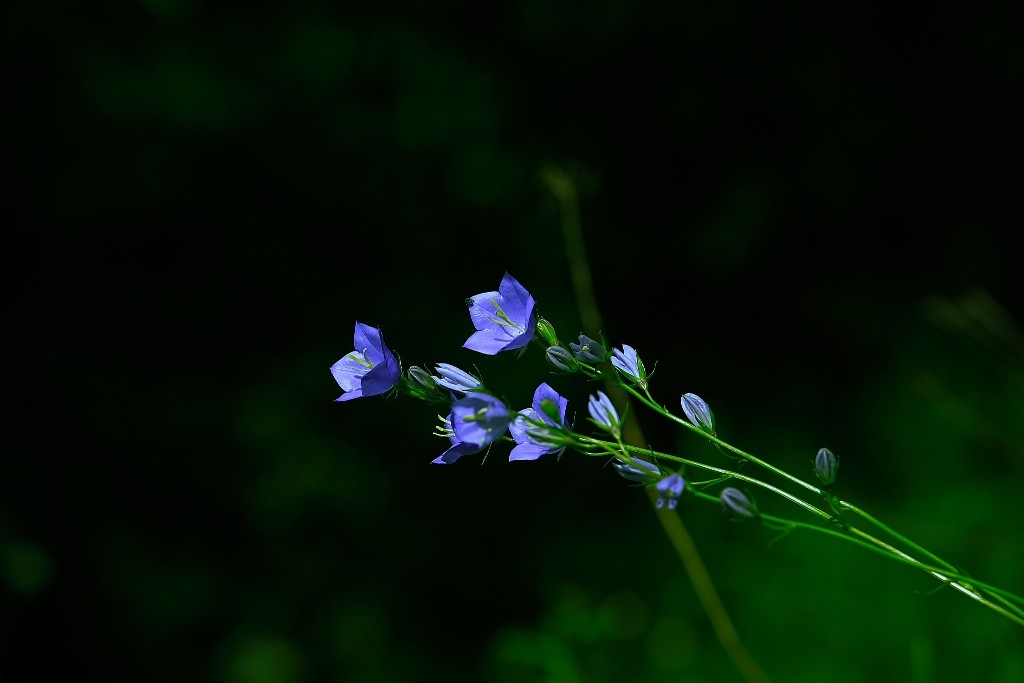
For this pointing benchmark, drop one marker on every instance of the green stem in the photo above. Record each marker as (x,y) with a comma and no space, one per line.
(947,567)
(895,534)
(714,439)
(962,583)
(947,575)
(736,475)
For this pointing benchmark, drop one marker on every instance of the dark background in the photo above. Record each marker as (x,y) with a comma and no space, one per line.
(805,215)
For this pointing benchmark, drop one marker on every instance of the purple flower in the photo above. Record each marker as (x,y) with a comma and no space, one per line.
(670,488)
(369,370)
(453,378)
(534,440)
(473,424)
(629,364)
(505,320)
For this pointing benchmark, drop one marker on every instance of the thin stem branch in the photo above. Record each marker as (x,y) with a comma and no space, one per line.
(942,573)
(564,189)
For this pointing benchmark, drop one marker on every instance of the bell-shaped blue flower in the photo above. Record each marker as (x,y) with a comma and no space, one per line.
(629,364)
(451,377)
(475,421)
(505,320)
(669,490)
(369,370)
(535,439)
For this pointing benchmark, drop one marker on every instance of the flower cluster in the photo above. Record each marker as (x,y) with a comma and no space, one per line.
(506,320)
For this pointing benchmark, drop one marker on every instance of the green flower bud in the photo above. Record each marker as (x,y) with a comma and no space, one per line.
(547,332)
(421,377)
(419,384)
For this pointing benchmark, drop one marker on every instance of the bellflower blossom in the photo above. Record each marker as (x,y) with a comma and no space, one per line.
(369,370)
(473,424)
(453,378)
(505,320)
(670,488)
(549,408)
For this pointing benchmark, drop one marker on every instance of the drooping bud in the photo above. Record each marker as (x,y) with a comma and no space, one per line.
(547,332)
(589,350)
(640,470)
(561,359)
(738,503)
(698,412)
(826,466)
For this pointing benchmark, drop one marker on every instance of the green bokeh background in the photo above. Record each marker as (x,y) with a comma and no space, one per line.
(806,215)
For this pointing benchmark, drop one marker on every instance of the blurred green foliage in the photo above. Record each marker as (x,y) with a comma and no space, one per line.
(804,214)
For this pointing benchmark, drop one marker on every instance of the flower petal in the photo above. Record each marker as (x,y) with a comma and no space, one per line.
(482,310)
(456,451)
(485,342)
(368,340)
(528,451)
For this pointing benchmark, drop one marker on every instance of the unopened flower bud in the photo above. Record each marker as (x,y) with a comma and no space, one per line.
(603,413)
(826,466)
(640,470)
(451,377)
(589,350)
(547,332)
(421,377)
(419,384)
(627,362)
(560,357)
(738,503)
(698,412)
